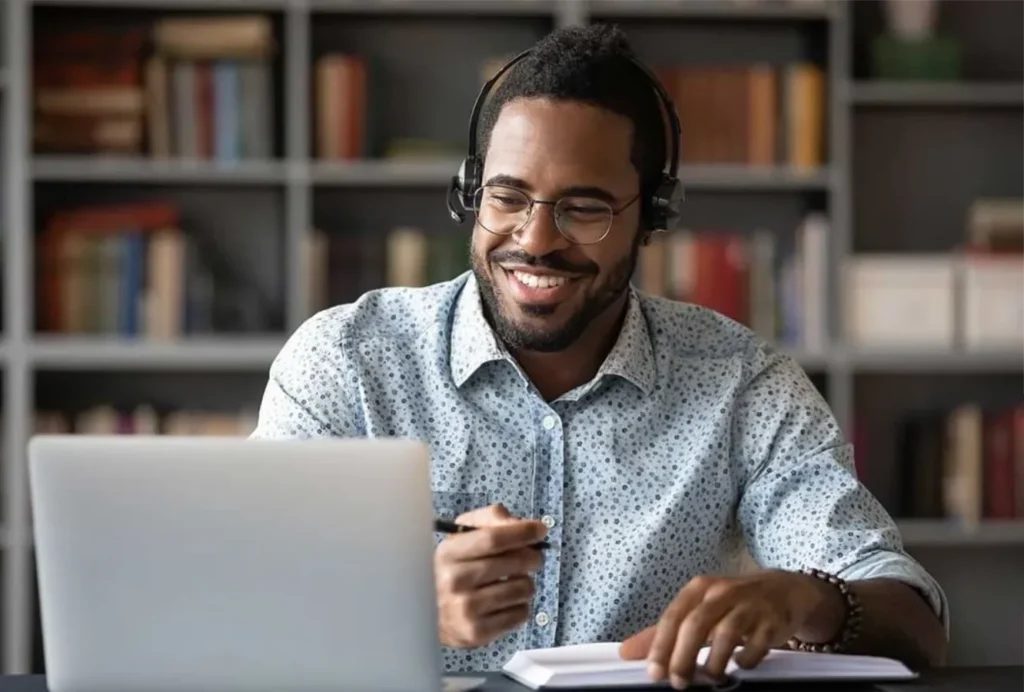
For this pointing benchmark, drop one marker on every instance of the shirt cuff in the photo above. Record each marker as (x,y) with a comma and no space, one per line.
(902,567)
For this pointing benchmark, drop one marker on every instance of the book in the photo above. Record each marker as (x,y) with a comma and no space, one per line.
(599,665)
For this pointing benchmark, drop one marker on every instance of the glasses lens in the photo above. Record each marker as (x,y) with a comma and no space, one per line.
(501,210)
(583,220)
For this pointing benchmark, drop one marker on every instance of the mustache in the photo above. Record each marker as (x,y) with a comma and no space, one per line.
(551,261)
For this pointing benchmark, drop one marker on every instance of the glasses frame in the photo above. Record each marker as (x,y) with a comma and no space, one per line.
(533,202)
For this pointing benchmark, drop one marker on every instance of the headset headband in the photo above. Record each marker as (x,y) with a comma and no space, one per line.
(666,103)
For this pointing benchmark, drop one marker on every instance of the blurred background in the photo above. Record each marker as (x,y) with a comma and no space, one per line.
(186,181)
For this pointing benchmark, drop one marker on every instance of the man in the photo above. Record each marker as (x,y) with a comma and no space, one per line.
(650,442)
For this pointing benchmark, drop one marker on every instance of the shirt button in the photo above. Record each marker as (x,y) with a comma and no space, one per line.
(542,619)
(548,422)
(548,520)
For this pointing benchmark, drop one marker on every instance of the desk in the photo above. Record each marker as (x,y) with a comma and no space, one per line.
(987,679)
(994,679)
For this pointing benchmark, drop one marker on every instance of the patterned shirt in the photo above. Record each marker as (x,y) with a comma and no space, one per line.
(696,444)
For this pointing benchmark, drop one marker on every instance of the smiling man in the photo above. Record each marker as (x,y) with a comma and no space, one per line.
(651,442)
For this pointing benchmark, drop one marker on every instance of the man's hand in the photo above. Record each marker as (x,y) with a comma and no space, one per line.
(484,587)
(756,612)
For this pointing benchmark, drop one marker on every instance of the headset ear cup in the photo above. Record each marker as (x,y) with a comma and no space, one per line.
(655,220)
(470,173)
(667,205)
(463,188)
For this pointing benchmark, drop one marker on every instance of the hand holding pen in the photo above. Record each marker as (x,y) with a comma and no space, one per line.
(483,573)
(446,526)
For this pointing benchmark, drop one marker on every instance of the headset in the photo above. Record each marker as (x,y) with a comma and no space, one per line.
(663,209)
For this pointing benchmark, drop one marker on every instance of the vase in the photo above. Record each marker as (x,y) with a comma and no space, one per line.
(911,20)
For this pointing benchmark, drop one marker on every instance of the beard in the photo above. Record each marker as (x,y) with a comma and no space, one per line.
(518,336)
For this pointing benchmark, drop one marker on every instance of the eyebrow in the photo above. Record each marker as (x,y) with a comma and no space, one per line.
(572,191)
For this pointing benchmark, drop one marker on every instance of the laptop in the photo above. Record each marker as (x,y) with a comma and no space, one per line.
(233,565)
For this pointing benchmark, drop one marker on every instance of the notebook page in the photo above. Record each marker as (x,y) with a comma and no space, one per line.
(784,664)
(577,665)
(580,665)
(596,665)
(601,653)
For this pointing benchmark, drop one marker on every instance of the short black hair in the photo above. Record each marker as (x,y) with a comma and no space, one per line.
(590,64)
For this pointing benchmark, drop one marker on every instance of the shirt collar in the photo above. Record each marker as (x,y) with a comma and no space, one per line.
(632,356)
(473,342)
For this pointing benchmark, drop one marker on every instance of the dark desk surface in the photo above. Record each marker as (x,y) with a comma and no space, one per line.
(988,679)
(993,679)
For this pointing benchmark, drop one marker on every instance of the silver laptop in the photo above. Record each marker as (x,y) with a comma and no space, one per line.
(179,564)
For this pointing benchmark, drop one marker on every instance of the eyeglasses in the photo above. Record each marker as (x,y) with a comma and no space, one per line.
(506,210)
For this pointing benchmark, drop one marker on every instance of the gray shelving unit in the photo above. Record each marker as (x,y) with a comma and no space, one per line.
(269,205)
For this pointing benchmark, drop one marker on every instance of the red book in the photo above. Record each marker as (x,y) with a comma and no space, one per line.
(720,274)
(1000,484)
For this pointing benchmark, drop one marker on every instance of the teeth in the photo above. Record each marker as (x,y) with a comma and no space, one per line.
(534,281)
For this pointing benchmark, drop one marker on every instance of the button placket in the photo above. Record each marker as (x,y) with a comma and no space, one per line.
(548,507)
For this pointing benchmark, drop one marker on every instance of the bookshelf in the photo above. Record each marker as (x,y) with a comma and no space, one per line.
(911,95)
(901,163)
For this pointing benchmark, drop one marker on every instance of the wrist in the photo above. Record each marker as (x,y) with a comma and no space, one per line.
(828,615)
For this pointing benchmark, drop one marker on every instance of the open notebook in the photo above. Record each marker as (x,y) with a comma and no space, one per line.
(599,665)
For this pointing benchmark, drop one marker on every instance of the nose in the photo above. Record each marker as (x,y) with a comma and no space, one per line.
(540,235)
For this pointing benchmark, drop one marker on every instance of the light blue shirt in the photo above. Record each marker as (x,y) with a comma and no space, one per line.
(695,442)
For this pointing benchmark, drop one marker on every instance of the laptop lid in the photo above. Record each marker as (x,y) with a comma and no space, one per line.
(228,564)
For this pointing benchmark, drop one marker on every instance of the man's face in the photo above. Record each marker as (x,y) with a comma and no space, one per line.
(540,290)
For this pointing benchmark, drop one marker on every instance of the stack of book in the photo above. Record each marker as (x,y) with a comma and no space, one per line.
(195,87)
(965,463)
(209,91)
(776,287)
(757,114)
(88,92)
(130,270)
(342,265)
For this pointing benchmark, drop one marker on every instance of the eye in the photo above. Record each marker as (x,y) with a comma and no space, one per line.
(504,199)
(584,209)
(580,209)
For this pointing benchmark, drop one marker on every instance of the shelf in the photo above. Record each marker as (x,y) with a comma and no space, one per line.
(431,173)
(714,9)
(374,173)
(85,353)
(917,360)
(458,7)
(921,533)
(924,94)
(145,170)
(174,4)
(388,173)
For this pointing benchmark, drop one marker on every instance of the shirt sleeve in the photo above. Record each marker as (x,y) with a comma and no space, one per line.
(308,390)
(802,504)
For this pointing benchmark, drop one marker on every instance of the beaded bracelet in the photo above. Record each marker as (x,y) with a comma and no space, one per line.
(851,621)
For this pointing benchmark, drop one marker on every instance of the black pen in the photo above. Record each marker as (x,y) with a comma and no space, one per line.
(446,526)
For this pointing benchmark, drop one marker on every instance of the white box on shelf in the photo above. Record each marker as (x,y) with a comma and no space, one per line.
(903,301)
(992,294)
